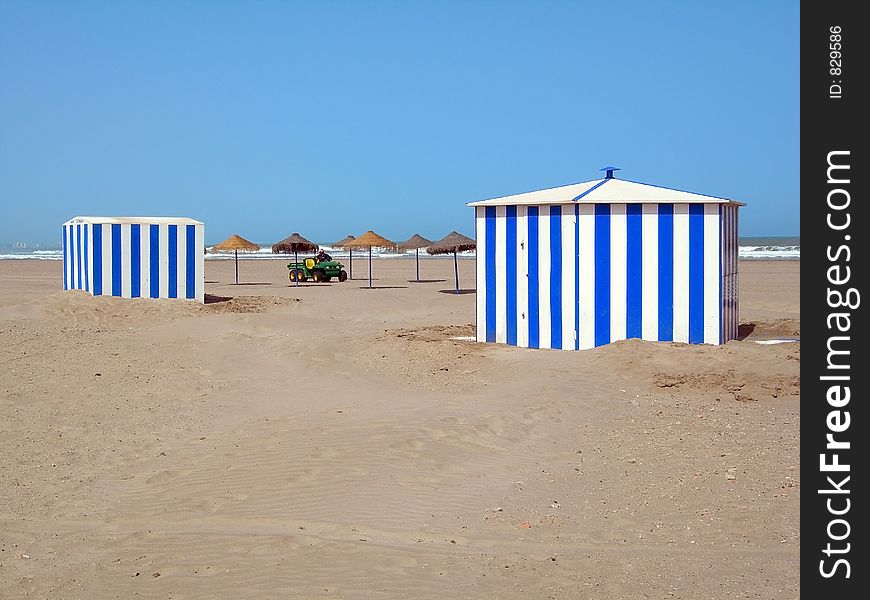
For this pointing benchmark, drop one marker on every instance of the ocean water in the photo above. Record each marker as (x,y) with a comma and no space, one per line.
(752,248)
(769,248)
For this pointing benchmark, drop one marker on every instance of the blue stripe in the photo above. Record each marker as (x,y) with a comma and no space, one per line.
(135,260)
(511,275)
(634,272)
(602,274)
(98,260)
(555,276)
(489,235)
(173,261)
(154,258)
(79,257)
(576,277)
(116,259)
(696,273)
(666,272)
(87,261)
(190,271)
(534,299)
(65,261)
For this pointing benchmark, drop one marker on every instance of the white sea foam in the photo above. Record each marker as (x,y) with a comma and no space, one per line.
(746,252)
(769,252)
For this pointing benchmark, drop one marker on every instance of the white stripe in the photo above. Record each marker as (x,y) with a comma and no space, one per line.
(181,271)
(145,260)
(163,262)
(107,259)
(711,273)
(89,256)
(125,261)
(71,242)
(500,276)
(544,336)
(650,272)
(78,244)
(681,273)
(199,263)
(587,276)
(522,277)
(480,260)
(618,271)
(75,257)
(569,301)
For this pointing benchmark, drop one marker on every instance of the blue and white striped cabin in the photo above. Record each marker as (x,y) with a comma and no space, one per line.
(135,257)
(591,263)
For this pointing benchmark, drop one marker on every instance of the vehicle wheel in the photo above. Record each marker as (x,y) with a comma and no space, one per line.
(300,274)
(342,275)
(292,275)
(317,276)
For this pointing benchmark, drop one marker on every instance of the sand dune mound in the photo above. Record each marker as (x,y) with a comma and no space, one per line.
(246,304)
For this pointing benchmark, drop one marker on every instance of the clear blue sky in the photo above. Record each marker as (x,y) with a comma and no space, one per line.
(331,118)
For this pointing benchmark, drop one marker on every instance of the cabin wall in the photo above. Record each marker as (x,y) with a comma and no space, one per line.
(730,276)
(576,276)
(135,260)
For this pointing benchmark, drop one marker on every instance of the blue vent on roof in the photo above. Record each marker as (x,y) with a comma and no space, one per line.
(609,171)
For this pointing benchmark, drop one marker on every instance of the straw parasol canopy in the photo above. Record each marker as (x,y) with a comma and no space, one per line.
(453,242)
(234,244)
(343,243)
(415,242)
(295,244)
(370,240)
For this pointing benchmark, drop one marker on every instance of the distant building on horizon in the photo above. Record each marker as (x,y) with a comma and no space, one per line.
(587,264)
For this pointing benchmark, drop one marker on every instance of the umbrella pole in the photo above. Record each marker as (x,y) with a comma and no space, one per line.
(237,267)
(418,265)
(296,260)
(351,264)
(456,269)
(370,267)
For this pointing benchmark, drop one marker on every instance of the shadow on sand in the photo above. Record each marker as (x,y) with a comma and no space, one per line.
(457,293)
(744,330)
(213,299)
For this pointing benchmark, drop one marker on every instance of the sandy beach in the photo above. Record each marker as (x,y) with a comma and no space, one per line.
(330,441)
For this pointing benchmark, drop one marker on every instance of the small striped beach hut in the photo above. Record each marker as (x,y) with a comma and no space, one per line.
(587,264)
(135,257)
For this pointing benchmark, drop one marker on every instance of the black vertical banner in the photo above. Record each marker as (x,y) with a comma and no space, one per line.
(835,233)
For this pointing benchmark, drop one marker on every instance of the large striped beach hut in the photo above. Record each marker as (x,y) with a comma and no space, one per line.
(135,257)
(586,264)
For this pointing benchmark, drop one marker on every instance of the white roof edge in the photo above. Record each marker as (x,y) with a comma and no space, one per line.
(606,191)
(133,220)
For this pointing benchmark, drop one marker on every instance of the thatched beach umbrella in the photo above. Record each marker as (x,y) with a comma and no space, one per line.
(234,243)
(453,242)
(295,244)
(370,240)
(344,244)
(415,242)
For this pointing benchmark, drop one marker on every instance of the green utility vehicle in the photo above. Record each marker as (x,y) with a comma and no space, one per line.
(317,271)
